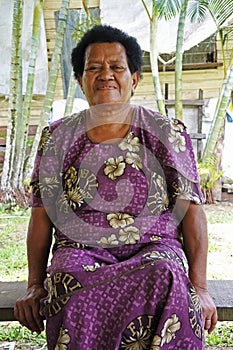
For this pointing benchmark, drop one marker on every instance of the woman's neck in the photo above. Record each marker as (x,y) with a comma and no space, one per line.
(108,123)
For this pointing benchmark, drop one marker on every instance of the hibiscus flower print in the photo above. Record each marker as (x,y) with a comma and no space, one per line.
(129,235)
(183,189)
(171,326)
(119,219)
(158,200)
(177,140)
(155,238)
(92,268)
(63,340)
(130,143)
(108,241)
(114,167)
(176,125)
(134,160)
(155,345)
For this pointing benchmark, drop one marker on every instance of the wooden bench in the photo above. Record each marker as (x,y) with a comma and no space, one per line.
(221,292)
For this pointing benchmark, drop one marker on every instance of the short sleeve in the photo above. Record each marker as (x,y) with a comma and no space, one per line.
(44,179)
(181,187)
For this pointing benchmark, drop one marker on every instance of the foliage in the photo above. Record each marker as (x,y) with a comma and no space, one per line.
(209,175)
(82,27)
(14,332)
(219,10)
(11,202)
(88,21)
(222,335)
(167,9)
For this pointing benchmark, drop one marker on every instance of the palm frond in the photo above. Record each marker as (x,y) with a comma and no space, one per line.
(197,10)
(221,11)
(167,8)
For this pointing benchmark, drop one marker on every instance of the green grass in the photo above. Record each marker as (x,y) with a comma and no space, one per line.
(13,259)
(14,332)
(220,216)
(221,336)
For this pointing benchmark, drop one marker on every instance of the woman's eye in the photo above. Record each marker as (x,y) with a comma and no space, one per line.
(93,68)
(118,68)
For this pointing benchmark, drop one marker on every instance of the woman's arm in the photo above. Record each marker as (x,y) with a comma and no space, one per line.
(39,238)
(195,238)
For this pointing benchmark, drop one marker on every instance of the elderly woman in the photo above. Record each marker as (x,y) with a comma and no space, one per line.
(117,185)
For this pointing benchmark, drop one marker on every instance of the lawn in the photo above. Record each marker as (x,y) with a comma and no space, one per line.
(13,266)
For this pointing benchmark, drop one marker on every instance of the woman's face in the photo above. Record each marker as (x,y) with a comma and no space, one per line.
(106,76)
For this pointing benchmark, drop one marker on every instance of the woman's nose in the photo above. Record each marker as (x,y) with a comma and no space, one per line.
(106,73)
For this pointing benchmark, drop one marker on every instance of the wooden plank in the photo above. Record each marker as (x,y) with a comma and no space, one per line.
(192,66)
(186,102)
(56,4)
(222,294)
(198,136)
(9,293)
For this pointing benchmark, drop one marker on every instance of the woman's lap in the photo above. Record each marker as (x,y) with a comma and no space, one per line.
(149,302)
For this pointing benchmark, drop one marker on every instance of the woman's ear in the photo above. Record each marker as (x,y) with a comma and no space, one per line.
(80,81)
(135,80)
(80,84)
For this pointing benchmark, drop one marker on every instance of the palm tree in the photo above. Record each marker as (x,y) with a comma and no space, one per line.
(197,11)
(15,75)
(168,10)
(220,113)
(70,94)
(18,126)
(53,75)
(24,123)
(220,11)
(179,60)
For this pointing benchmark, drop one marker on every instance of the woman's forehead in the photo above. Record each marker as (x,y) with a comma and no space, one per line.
(113,50)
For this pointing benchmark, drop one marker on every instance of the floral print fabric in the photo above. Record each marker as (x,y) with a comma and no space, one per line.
(118,278)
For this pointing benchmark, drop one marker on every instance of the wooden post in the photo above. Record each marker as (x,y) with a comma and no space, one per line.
(199,125)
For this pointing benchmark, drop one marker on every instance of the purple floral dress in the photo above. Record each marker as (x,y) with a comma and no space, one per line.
(118,278)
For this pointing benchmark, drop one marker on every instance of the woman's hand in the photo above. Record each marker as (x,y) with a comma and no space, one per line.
(27,309)
(209,311)
(195,238)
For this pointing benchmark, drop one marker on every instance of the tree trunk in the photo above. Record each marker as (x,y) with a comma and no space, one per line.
(179,61)
(6,185)
(53,74)
(220,116)
(18,127)
(71,94)
(154,64)
(23,113)
(30,84)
